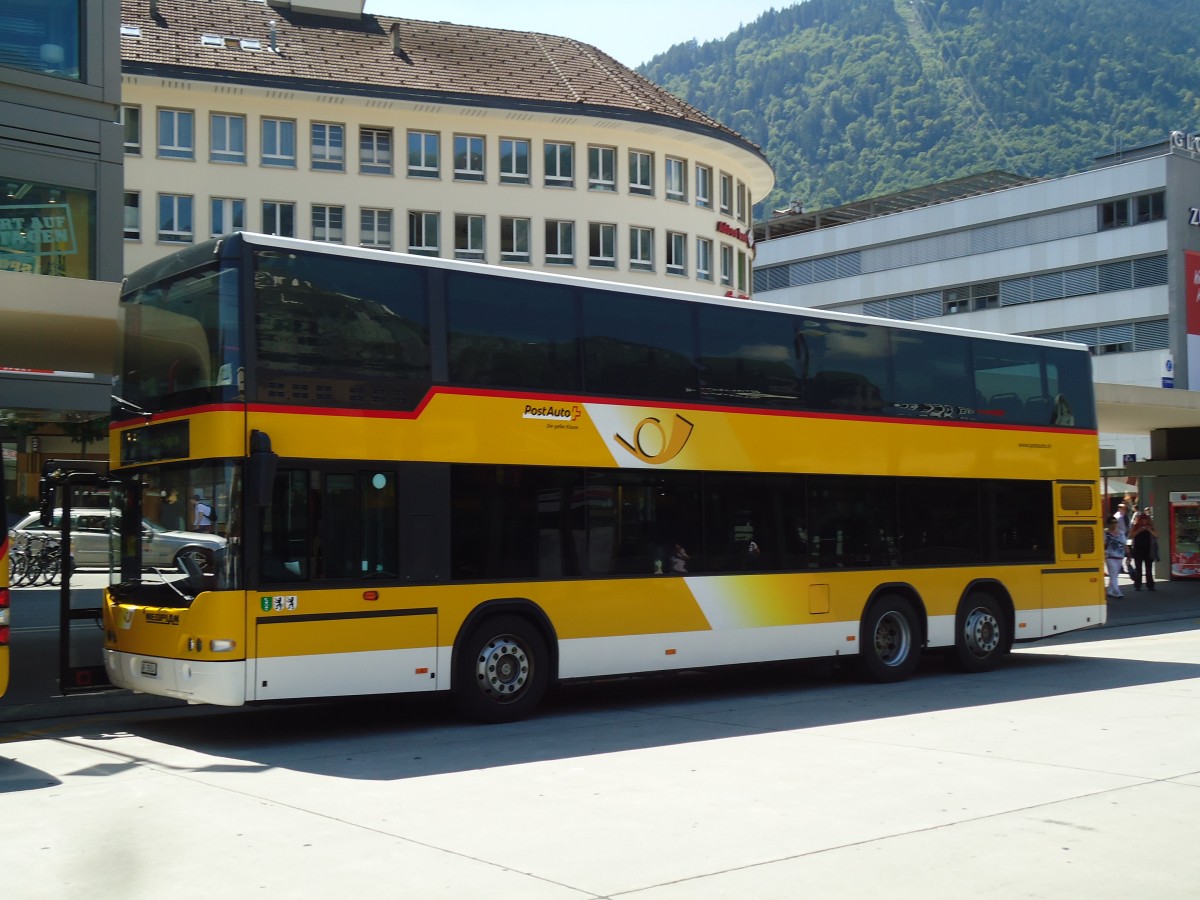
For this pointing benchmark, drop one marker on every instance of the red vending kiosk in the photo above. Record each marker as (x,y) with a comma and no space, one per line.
(1184,536)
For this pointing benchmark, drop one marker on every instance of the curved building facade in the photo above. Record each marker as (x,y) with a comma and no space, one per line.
(318,121)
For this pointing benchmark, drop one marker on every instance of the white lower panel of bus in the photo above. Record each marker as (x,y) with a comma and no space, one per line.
(589,657)
(219,683)
(1060,620)
(344,674)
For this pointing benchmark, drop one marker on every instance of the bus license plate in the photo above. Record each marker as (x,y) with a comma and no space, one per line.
(150,669)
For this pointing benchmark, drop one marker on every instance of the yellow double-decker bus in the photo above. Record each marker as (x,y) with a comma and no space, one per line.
(419,474)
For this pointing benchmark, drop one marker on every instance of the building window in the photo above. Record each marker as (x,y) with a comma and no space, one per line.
(279,218)
(676,185)
(676,253)
(131,125)
(328,147)
(423,154)
(327,224)
(641,249)
(375,151)
(514,240)
(514,161)
(602,245)
(423,233)
(375,228)
(972,297)
(726,197)
(279,143)
(176,134)
(133,216)
(175,218)
(726,265)
(560,243)
(743,272)
(704,259)
(468,237)
(227,138)
(1150,207)
(741,202)
(468,157)
(704,187)
(42,36)
(227,215)
(560,164)
(602,168)
(641,172)
(1132,211)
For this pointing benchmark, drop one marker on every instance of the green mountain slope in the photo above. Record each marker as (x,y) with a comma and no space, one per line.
(857,98)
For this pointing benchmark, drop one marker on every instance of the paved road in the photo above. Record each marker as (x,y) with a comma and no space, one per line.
(1073,771)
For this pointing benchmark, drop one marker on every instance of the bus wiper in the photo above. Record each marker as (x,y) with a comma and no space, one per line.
(133,407)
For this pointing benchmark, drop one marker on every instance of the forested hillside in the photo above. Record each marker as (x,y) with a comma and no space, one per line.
(857,98)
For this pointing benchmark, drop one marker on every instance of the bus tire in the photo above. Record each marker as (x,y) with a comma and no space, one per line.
(980,641)
(502,671)
(891,646)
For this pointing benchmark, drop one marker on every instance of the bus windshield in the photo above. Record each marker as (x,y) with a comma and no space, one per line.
(181,342)
(188,514)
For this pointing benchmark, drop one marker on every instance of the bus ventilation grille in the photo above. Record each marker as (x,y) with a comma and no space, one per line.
(1079,540)
(1076,497)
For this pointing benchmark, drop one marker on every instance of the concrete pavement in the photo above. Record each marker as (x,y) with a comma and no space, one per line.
(1072,771)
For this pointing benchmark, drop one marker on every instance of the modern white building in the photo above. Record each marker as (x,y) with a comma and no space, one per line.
(312,119)
(1109,257)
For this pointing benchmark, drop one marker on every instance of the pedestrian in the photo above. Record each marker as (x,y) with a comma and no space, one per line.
(1114,556)
(1144,551)
(201,515)
(1122,520)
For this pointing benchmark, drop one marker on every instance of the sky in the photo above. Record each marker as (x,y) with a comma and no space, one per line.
(632,31)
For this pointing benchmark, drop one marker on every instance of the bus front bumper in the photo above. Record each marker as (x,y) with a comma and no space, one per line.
(218,683)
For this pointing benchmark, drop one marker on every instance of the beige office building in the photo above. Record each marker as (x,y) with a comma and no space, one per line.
(315,120)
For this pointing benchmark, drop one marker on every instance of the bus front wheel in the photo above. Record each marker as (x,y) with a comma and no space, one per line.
(891,647)
(503,670)
(980,640)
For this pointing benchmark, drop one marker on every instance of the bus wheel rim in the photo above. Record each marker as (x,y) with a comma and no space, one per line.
(982,631)
(893,639)
(502,668)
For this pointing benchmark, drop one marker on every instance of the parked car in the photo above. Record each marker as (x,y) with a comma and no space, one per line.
(91,537)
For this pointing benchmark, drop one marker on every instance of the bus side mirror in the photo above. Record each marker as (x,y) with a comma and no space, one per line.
(260,473)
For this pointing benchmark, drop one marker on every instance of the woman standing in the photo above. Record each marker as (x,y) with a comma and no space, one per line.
(1114,557)
(1144,541)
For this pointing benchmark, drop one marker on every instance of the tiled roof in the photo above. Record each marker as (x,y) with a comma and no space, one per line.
(436,61)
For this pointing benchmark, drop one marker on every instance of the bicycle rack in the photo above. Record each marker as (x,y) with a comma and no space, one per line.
(60,479)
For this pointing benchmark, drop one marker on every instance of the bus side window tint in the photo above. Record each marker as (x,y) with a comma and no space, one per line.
(511,333)
(747,357)
(853,521)
(285,530)
(1023,521)
(844,366)
(932,376)
(379,539)
(640,347)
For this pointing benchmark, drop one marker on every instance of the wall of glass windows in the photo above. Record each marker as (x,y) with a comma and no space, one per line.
(46,229)
(42,36)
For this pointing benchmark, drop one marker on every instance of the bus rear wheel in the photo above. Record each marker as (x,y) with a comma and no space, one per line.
(980,641)
(502,671)
(890,644)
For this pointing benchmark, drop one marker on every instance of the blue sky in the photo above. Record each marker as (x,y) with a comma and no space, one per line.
(630,30)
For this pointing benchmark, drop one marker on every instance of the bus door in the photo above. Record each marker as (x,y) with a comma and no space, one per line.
(66,486)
